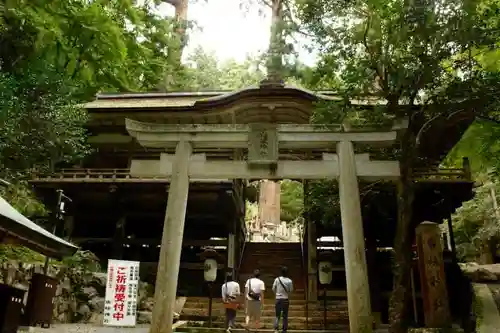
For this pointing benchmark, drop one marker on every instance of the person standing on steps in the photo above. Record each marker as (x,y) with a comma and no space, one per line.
(254,299)
(230,297)
(282,287)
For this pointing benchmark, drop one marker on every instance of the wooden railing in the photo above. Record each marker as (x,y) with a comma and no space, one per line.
(86,174)
(123,175)
(441,175)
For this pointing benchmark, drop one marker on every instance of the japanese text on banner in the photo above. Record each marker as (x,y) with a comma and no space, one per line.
(121,293)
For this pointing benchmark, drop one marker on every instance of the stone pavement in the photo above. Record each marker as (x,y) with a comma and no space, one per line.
(84,328)
(488,320)
(87,328)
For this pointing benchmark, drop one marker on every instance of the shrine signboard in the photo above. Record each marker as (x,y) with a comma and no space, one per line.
(121,293)
(432,276)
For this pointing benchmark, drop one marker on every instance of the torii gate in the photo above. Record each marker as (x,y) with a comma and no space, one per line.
(263,142)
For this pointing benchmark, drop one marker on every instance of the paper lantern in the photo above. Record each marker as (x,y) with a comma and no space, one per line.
(210,270)
(325,272)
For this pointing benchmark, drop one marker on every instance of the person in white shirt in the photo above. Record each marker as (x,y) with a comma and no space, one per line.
(282,287)
(254,299)
(230,294)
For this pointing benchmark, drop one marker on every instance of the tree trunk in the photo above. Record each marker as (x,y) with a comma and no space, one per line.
(275,53)
(403,240)
(181,8)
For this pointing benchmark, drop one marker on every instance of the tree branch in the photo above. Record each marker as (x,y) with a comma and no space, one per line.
(428,123)
(373,63)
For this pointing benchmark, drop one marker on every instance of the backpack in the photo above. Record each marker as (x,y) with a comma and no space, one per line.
(251,293)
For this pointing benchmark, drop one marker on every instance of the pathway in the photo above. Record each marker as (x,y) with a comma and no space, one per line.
(488,318)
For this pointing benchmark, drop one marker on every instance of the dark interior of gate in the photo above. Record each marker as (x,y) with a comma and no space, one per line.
(119,216)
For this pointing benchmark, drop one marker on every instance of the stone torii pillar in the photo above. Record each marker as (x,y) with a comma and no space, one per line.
(171,242)
(356,271)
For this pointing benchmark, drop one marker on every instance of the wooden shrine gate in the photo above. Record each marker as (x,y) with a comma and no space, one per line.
(262,145)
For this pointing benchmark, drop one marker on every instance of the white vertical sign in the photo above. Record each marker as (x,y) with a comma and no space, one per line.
(121,293)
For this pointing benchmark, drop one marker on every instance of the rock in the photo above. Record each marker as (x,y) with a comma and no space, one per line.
(147,304)
(98,281)
(84,312)
(144,317)
(481,273)
(90,292)
(97,304)
(96,318)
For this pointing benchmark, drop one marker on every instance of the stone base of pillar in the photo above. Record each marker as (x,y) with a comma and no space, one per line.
(377,319)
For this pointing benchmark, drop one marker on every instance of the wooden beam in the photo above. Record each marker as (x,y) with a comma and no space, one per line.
(110,138)
(150,241)
(327,168)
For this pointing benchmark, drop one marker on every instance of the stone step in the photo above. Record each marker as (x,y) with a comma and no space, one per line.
(268,323)
(268,294)
(331,329)
(287,257)
(270,318)
(199,329)
(298,305)
(268,279)
(267,312)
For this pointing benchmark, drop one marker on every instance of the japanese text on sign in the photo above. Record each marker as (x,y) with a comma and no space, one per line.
(121,293)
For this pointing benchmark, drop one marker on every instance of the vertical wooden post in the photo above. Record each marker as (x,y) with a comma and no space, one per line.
(373,277)
(358,290)
(238,243)
(231,252)
(432,277)
(119,238)
(312,264)
(69,223)
(171,242)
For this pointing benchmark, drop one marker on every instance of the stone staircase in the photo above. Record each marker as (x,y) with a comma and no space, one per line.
(268,258)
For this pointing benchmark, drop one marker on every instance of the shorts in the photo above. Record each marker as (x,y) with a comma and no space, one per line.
(253,309)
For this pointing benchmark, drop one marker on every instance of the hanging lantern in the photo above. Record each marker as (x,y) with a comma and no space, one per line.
(325,272)
(210,270)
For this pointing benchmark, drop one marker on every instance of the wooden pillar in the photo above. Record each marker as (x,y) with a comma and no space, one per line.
(171,242)
(432,277)
(358,290)
(373,278)
(69,224)
(238,243)
(312,264)
(231,252)
(119,238)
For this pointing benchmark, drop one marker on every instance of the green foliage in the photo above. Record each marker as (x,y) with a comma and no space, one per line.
(104,45)
(203,72)
(322,201)
(291,200)
(42,124)
(20,196)
(481,144)
(81,261)
(475,224)
(416,58)
(54,55)
(19,253)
